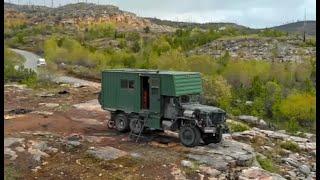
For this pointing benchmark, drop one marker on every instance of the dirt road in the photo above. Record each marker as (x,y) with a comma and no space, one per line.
(31,63)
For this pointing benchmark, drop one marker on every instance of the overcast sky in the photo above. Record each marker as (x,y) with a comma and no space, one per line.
(252,13)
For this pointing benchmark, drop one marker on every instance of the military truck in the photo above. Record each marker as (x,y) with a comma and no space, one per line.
(160,100)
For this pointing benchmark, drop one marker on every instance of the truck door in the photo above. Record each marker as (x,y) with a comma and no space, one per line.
(154,94)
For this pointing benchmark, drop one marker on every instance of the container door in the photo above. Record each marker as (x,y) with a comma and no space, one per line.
(154,94)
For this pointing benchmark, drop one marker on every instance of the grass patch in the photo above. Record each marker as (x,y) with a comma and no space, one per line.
(235,126)
(190,171)
(64,107)
(289,145)
(11,173)
(266,164)
(300,134)
(258,141)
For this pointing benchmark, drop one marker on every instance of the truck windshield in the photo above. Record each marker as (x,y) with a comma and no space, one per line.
(190,98)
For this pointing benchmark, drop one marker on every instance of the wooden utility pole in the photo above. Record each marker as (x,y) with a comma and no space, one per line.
(304,26)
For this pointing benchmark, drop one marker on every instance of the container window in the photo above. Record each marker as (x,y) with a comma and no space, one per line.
(124,83)
(131,84)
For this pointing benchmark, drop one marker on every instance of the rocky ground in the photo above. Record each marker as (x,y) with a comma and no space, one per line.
(269,49)
(61,133)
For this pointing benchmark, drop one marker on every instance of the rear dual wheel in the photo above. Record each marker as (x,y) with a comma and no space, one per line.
(121,122)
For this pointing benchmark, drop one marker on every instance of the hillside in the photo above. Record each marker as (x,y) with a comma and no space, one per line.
(297,27)
(84,14)
(212,25)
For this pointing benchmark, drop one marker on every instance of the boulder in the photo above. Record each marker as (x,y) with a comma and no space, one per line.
(221,156)
(88,121)
(258,173)
(73,144)
(248,119)
(106,153)
(186,163)
(8,141)
(50,105)
(304,169)
(209,171)
(291,161)
(92,105)
(44,113)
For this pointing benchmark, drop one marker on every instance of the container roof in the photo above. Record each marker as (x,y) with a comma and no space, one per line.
(149,71)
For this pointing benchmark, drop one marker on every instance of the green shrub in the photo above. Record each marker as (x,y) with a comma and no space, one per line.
(21,74)
(272,33)
(100,31)
(217,91)
(266,164)
(289,145)
(300,107)
(235,126)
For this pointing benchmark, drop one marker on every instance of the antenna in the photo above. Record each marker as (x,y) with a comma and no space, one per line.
(51,3)
(304,24)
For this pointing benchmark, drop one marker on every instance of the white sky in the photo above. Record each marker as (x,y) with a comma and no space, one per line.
(252,13)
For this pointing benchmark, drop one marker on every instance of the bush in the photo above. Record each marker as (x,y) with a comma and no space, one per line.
(100,31)
(289,145)
(21,74)
(235,126)
(146,29)
(217,91)
(300,107)
(272,33)
(266,164)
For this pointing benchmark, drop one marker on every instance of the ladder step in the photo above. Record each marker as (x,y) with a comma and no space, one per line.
(142,127)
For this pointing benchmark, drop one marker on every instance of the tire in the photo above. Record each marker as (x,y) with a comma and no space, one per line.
(189,136)
(121,122)
(208,138)
(135,125)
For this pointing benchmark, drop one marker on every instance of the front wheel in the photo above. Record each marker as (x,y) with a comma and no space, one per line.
(189,136)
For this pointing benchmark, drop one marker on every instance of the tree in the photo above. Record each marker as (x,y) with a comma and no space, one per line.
(136,46)
(146,29)
(217,91)
(300,107)
(272,97)
(161,45)
(224,60)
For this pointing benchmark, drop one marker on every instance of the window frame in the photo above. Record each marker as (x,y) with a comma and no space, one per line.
(127,84)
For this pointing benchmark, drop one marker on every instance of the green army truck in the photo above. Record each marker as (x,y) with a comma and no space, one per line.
(139,99)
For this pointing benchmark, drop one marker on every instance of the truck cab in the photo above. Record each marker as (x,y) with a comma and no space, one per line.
(139,99)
